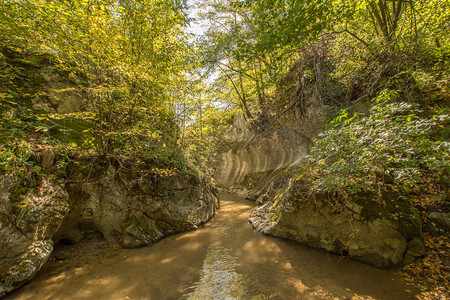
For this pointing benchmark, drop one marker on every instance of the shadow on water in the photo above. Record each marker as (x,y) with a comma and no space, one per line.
(225,259)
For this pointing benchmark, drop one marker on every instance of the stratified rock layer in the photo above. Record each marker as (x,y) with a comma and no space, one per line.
(256,150)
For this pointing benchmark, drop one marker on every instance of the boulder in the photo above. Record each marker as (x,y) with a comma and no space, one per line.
(28,221)
(129,210)
(442,220)
(361,228)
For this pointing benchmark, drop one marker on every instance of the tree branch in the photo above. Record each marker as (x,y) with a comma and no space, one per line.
(232,69)
(353,35)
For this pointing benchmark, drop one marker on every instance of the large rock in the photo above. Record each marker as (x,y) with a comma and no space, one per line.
(362,228)
(28,220)
(130,210)
(135,212)
(441,220)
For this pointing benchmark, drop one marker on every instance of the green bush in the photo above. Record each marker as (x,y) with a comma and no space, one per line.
(390,149)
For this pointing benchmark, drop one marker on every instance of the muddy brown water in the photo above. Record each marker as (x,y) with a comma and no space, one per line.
(225,259)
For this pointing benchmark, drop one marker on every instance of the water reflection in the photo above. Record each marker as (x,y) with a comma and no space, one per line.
(225,259)
(219,279)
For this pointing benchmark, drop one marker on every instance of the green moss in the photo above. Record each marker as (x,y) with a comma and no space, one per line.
(371,210)
(393,208)
(72,131)
(401,210)
(20,268)
(276,211)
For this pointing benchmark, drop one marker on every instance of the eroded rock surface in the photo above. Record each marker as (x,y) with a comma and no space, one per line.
(442,220)
(256,150)
(130,211)
(137,212)
(361,228)
(27,224)
(63,92)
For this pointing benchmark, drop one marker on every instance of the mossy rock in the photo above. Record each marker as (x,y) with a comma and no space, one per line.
(363,226)
(72,131)
(408,218)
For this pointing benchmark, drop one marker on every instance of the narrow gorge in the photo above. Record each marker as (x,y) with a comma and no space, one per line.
(224,149)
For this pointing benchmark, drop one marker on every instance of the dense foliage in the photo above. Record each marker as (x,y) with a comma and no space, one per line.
(255,43)
(124,59)
(389,149)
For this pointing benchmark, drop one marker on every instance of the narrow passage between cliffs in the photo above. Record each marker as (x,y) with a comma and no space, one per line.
(225,259)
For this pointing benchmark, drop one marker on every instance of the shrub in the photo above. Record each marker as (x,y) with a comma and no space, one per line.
(389,149)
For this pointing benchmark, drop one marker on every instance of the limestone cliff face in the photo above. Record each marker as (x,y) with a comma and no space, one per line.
(256,150)
(132,212)
(135,212)
(274,141)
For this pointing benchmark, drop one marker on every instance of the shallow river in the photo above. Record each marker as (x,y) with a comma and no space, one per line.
(225,259)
